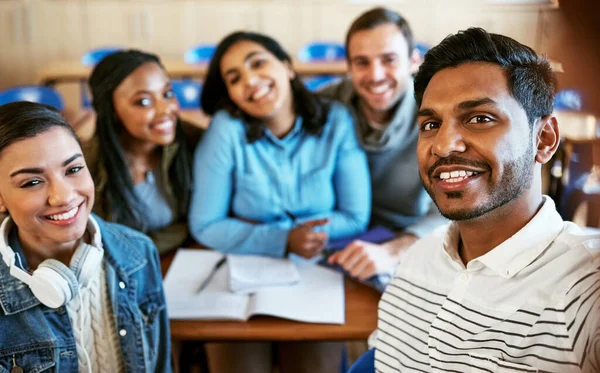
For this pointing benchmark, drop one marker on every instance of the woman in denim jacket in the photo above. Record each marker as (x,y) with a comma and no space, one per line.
(77,294)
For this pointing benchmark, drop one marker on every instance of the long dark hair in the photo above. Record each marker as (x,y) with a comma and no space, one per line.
(124,204)
(215,97)
(23,120)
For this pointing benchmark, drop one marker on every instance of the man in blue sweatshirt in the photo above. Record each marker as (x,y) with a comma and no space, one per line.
(381,59)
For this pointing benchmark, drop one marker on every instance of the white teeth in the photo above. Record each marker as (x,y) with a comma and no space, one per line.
(262,92)
(379,89)
(164,125)
(456,176)
(67,215)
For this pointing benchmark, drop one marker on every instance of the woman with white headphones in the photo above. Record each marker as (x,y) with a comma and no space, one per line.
(77,294)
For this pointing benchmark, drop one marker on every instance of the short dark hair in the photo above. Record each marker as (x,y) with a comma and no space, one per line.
(310,107)
(124,205)
(530,78)
(23,120)
(377,17)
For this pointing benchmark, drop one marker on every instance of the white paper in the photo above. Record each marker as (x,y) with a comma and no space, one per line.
(317,298)
(215,302)
(187,272)
(250,273)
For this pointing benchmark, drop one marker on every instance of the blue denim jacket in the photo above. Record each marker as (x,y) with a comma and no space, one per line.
(40,339)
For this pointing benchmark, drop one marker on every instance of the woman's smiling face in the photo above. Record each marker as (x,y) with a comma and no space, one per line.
(257,82)
(46,187)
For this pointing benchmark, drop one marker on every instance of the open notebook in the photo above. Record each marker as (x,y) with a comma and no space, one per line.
(251,273)
(318,296)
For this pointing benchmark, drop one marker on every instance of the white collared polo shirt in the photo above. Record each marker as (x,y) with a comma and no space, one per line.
(532,304)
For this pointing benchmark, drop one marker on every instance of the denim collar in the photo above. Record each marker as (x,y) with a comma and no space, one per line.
(288,138)
(126,259)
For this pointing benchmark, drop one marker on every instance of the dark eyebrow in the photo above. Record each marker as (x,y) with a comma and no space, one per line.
(73,157)
(471,104)
(27,171)
(142,92)
(146,92)
(249,56)
(465,105)
(359,57)
(426,113)
(382,55)
(34,170)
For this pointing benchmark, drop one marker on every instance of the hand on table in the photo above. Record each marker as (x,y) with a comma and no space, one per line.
(364,259)
(304,241)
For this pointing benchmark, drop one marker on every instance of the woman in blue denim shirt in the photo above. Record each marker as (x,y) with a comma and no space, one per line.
(279,171)
(77,294)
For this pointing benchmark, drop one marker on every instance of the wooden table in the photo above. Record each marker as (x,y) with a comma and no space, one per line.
(73,71)
(361,320)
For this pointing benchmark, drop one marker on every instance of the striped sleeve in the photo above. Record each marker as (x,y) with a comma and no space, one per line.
(582,318)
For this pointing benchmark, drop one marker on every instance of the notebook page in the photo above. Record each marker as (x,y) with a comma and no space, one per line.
(250,273)
(187,272)
(317,298)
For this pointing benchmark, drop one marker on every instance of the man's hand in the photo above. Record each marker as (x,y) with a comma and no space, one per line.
(305,242)
(364,259)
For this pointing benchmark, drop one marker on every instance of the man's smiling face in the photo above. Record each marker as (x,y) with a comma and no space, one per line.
(475,149)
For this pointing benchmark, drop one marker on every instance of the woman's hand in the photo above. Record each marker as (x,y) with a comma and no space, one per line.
(305,242)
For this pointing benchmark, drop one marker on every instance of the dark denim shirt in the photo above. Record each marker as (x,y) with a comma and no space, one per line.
(40,339)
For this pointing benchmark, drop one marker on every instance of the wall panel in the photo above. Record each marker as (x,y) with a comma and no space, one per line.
(33,32)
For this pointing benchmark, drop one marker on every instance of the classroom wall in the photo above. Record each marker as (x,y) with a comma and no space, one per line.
(33,32)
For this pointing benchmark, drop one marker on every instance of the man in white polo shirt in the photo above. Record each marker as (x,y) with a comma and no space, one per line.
(507,286)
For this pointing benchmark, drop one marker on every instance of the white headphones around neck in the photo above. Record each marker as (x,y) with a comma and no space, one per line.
(53,283)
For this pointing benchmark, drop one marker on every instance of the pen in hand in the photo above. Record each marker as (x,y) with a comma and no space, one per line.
(304,241)
(211,274)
